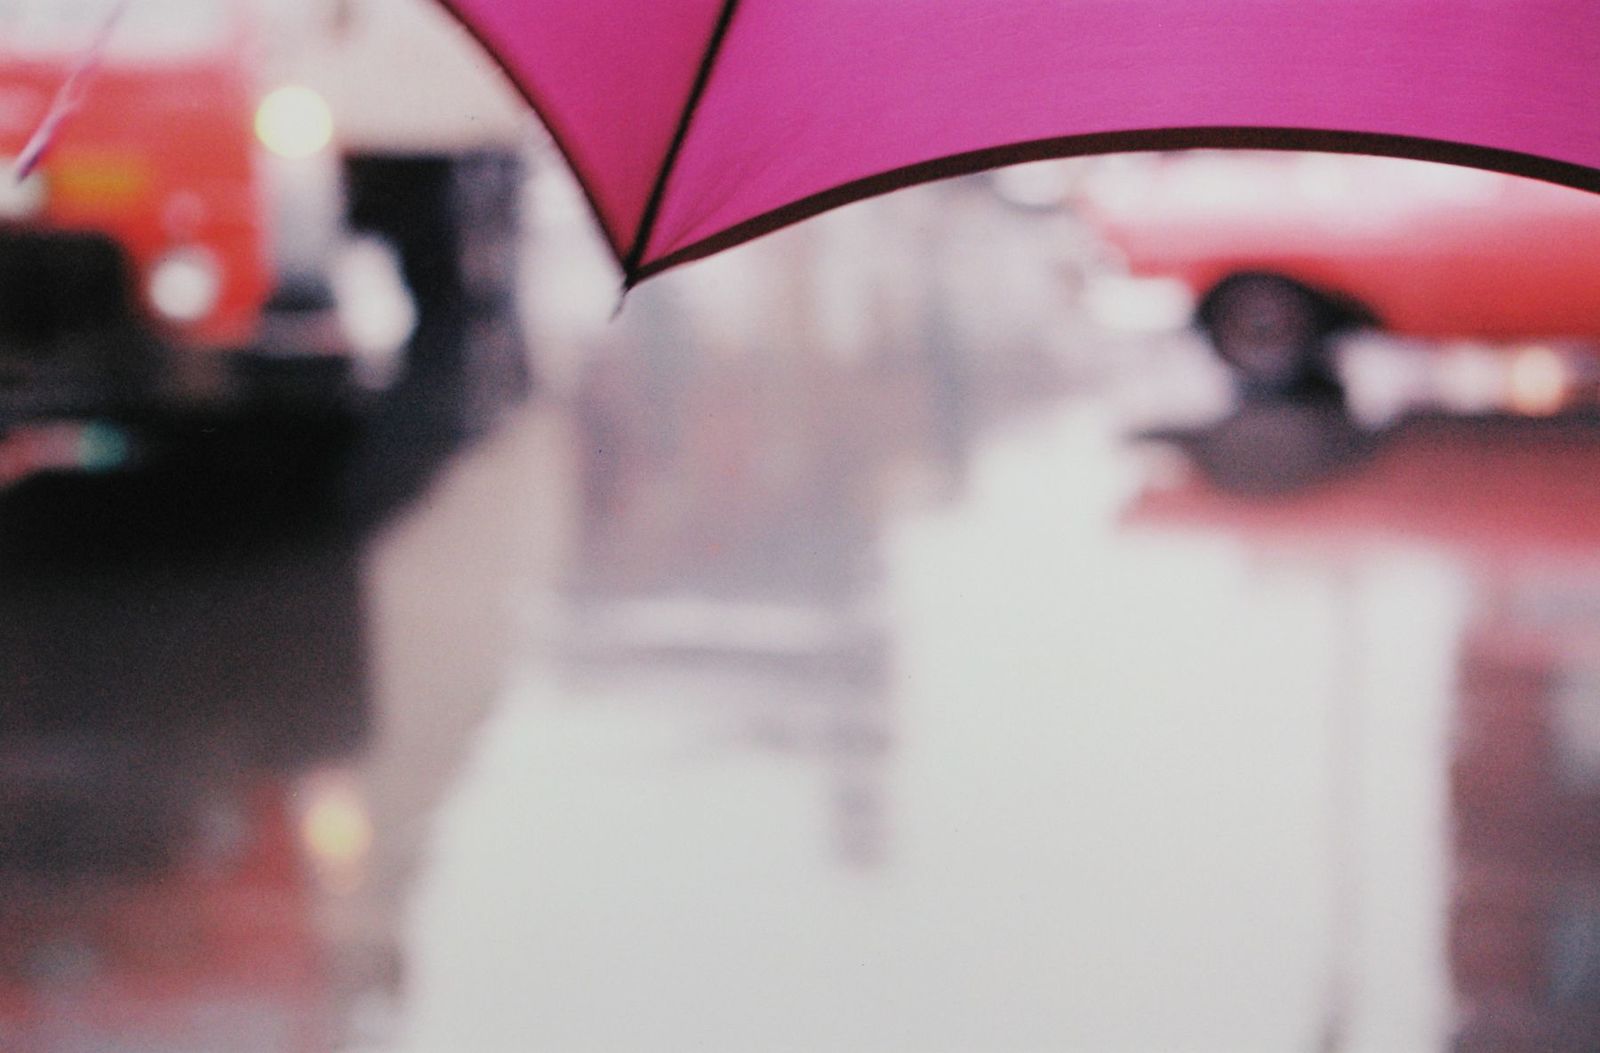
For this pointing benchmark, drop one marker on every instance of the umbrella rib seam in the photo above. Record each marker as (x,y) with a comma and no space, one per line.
(658,191)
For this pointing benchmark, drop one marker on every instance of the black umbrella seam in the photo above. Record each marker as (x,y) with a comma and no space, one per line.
(1511,162)
(658,191)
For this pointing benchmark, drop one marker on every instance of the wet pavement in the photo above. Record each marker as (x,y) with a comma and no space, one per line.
(800,701)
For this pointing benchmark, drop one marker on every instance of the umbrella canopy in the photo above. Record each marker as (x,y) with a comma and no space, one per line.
(697,124)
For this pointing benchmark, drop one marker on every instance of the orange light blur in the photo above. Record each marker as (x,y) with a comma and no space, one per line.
(1538,382)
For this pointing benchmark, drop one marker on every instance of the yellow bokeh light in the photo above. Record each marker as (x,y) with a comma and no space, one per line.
(336,828)
(294,122)
(1538,382)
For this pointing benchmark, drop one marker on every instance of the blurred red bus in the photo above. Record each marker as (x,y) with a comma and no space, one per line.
(1283,250)
(178,248)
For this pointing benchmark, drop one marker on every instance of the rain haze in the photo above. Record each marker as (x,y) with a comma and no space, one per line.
(1141,603)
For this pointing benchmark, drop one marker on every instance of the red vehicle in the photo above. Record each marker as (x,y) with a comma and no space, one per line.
(1283,250)
(176,249)
(150,944)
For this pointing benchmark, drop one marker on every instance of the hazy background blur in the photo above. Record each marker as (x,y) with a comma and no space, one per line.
(898,633)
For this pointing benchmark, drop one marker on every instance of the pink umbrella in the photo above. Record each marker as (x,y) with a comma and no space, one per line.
(698,124)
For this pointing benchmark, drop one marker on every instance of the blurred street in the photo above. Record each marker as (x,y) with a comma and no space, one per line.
(819,661)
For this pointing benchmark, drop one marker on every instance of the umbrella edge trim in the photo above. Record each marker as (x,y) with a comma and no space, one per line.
(1445,151)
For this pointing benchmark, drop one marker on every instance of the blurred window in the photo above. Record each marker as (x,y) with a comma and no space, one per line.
(147,30)
(1574,949)
(1577,727)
